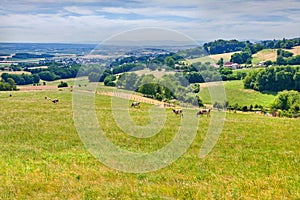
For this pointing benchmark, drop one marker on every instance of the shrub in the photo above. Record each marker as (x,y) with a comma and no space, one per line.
(62,84)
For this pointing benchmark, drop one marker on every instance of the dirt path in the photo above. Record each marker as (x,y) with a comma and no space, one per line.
(39,87)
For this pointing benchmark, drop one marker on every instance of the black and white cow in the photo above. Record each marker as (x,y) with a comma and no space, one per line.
(55,100)
(135,104)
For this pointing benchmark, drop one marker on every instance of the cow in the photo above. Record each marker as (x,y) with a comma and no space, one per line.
(47,98)
(178,111)
(55,100)
(135,104)
(203,112)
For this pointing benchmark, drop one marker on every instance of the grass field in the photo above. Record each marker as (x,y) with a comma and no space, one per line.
(213,58)
(295,50)
(42,157)
(235,93)
(264,55)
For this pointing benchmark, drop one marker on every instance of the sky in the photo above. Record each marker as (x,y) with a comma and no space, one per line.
(84,21)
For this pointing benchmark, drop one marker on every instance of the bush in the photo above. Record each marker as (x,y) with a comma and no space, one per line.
(62,84)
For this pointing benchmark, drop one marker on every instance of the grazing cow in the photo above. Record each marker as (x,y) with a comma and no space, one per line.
(47,98)
(55,101)
(135,104)
(203,112)
(178,111)
(10,95)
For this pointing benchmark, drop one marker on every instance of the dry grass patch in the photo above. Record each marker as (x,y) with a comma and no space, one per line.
(295,50)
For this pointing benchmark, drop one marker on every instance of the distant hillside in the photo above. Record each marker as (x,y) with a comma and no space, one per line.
(271,54)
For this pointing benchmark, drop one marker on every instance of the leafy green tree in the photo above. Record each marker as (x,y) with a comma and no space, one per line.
(297,81)
(62,84)
(268,63)
(109,80)
(47,76)
(12,84)
(94,77)
(220,62)
(128,81)
(169,61)
(286,100)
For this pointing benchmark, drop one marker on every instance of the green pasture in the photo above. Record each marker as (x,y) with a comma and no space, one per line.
(42,156)
(235,93)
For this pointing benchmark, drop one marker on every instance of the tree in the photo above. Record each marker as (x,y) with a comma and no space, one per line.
(36,78)
(268,63)
(286,100)
(220,62)
(128,81)
(62,84)
(109,80)
(11,83)
(47,76)
(94,77)
(297,81)
(169,61)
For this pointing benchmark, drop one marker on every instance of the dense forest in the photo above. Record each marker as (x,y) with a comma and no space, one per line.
(21,79)
(274,79)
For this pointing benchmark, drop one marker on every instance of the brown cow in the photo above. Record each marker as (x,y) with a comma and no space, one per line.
(178,111)
(203,112)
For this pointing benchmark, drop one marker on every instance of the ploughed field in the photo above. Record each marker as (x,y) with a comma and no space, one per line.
(42,156)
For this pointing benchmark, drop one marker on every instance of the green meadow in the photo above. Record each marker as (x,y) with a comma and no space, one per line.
(235,93)
(42,156)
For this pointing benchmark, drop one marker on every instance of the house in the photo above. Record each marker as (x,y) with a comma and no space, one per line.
(232,65)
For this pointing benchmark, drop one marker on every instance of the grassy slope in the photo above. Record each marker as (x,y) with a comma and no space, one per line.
(213,58)
(235,93)
(42,157)
(266,54)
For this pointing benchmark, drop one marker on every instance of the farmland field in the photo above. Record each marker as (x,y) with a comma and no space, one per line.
(42,156)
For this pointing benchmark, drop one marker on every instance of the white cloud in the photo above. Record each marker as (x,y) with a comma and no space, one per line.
(79,10)
(44,21)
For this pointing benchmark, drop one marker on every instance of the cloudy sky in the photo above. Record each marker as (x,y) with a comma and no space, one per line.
(97,20)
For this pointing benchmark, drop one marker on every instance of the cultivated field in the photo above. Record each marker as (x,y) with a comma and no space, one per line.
(42,156)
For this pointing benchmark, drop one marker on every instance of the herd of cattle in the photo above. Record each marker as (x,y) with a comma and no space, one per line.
(179,111)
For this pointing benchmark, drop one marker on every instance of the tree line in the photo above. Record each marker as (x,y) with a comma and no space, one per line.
(166,88)
(21,79)
(225,46)
(274,79)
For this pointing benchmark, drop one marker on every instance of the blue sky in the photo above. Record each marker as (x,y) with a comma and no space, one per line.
(97,20)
